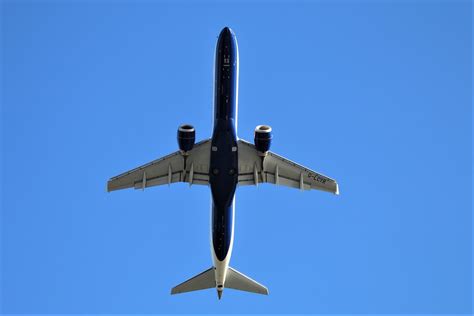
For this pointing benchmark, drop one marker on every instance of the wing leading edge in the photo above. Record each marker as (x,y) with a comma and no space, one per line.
(275,169)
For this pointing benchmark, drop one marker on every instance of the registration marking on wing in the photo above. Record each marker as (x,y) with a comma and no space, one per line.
(317,178)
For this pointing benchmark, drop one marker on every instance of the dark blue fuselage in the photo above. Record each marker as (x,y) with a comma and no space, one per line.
(224,157)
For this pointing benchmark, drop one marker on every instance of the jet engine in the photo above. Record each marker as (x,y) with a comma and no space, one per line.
(263,138)
(186,137)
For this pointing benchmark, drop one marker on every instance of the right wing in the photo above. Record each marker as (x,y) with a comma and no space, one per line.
(192,168)
(276,169)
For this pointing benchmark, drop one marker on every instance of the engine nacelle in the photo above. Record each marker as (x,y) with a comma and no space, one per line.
(186,137)
(263,138)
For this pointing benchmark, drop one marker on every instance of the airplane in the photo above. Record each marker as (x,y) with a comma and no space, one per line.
(223,162)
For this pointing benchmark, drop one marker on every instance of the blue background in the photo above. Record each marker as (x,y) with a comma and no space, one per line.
(375,95)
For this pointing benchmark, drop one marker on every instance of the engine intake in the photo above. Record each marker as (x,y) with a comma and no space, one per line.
(263,138)
(186,137)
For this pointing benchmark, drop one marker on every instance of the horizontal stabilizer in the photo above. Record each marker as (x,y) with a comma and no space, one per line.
(238,281)
(204,280)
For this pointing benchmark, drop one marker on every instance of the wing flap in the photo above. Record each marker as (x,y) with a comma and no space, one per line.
(193,168)
(275,169)
(297,176)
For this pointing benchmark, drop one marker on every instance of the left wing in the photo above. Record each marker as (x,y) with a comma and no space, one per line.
(176,167)
(275,169)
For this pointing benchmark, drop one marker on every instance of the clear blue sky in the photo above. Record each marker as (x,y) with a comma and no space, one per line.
(376,95)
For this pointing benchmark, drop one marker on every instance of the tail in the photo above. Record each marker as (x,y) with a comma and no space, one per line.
(238,281)
(234,280)
(204,280)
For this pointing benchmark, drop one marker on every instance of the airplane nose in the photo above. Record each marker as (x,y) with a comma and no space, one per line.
(226,31)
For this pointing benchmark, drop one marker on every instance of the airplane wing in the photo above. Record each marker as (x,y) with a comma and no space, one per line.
(192,168)
(275,169)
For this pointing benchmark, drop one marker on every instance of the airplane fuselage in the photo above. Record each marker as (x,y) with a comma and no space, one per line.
(216,162)
(224,156)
